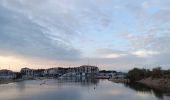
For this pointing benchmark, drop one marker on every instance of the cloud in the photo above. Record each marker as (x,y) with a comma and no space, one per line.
(21,36)
(145,53)
(110,53)
(70,30)
(115,55)
(153,46)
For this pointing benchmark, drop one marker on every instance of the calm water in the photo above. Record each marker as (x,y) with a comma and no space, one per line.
(78,89)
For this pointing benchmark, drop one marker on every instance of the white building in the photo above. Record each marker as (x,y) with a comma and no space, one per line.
(53,72)
(27,73)
(89,69)
(85,70)
(7,74)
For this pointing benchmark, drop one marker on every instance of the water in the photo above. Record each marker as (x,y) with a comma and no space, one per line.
(78,89)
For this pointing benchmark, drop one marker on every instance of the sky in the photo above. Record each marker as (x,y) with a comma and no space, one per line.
(112,34)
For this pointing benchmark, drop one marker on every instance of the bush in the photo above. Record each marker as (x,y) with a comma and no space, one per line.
(137,74)
(157,72)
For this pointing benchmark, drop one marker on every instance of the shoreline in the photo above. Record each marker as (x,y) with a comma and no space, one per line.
(7,81)
(162,84)
(119,80)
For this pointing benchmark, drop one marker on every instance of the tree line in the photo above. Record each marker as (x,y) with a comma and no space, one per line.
(137,74)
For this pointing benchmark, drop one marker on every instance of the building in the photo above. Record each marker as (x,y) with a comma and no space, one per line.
(55,72)
(27,73)
(7,74)
(51,72)
(39,73)
(85,70)
(103,74)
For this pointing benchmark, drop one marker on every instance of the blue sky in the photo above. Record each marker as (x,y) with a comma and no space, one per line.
(113,34)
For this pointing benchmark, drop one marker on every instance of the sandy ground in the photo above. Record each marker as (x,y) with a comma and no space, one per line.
(158,83)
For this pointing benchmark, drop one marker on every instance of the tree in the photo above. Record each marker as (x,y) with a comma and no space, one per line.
(157,72)
(137,74)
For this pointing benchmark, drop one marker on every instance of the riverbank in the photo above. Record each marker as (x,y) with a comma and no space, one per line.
(6,81)
(119,80)
(157,83)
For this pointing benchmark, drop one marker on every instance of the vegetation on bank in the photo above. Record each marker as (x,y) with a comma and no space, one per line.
(137,74)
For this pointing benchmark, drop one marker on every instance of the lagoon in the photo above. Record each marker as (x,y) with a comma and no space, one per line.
(78,89)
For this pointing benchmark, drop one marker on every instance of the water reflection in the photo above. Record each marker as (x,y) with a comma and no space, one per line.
(81,80)
(78,89)
(146,89)
(20,86)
